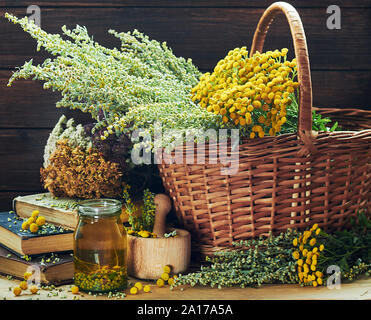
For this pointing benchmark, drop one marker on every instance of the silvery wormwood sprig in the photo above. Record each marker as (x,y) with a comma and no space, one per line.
(93,78)
(158,55)
(248,263)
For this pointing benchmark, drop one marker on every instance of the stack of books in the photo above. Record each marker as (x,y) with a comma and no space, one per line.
(49,250)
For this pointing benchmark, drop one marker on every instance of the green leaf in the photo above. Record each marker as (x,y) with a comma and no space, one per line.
(343,264)
(334,127)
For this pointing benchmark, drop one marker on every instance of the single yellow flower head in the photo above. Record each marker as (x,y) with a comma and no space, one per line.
(34,289)
(165,276)
(23,285)
(160,282)
(146,288)
(25,225)
(321,247)
(305,252)
(138,285)
(295,242)
(17,291)
(315,226)
(300,262)
(35,213)
(296,255)
(170,281)
(34,227)
(167,269)
(312,242)
(40,221)
(133,290)
(27,275)
(30,220)
(314,283)
(75,289)
(318,231)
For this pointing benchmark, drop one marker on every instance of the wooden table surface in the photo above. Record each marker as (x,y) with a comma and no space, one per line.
(357,290)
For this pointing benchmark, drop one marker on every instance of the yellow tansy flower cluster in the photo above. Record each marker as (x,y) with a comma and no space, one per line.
(165,277)
(141,233)
(23,285)
(34,222)
(307,257)
(249,93)
(139,287)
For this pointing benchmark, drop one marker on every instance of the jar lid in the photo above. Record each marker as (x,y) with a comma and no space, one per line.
(99,207)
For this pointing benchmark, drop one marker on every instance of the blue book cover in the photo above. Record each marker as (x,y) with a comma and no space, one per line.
(48,238)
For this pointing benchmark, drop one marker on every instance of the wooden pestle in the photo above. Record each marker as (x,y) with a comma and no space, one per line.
(163,207)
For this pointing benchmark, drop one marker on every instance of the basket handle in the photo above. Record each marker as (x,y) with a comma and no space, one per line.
(302,58)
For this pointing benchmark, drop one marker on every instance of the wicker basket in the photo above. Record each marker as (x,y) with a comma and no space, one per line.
(288,181)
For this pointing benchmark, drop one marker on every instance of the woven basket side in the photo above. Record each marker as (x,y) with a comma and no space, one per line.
(274,189)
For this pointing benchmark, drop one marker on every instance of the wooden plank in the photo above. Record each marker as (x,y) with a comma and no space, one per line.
(184,3)
(21,155)
(27,105)
(341,89)
(203,34)
(6,198)
(356,290)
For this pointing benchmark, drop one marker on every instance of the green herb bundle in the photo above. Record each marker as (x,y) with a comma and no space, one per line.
(350,250)
(123,89)
(249,263)
(319,123)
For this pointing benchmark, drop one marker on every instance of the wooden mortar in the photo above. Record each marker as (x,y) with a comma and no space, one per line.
(148,256)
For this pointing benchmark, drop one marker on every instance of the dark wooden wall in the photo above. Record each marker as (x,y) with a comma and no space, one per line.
(202,30)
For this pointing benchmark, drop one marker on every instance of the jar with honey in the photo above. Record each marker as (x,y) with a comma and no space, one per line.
(100,247)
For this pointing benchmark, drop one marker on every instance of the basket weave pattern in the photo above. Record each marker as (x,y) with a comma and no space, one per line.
(288,181)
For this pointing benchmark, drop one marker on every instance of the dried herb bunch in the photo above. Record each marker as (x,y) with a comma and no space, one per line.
(249,263)
(77,173)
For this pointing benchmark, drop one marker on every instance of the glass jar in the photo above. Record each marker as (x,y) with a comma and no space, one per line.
(100,247)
